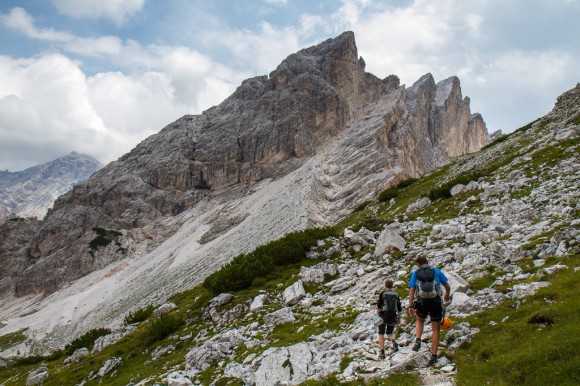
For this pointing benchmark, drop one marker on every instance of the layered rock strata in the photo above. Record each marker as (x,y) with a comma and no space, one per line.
(300,147)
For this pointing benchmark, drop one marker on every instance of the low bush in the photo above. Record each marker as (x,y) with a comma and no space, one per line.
(241,272)
(86,340)
(104,238)
(394,191)
(139,315)
(163,326)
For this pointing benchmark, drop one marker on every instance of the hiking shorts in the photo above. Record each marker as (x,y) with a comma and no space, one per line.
(389,323)
(429,307)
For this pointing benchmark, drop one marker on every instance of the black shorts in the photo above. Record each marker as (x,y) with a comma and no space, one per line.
(389,323)
(429,307)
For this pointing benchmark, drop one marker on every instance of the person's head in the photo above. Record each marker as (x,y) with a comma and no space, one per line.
(388,284)
(421,260)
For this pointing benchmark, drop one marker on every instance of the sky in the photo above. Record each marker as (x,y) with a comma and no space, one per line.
(100,76)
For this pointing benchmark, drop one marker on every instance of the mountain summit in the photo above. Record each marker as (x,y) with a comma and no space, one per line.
(300,147)
(29,193)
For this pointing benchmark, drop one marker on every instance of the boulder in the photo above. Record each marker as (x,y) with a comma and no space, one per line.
(285,366)
(258,303)
(108,366)
(293,294)
(37,376)
(281,316)
(78,355)
(165,308)
(389,241)
(103,341)
(419,205)
(457,189)
(221,300)
(456,282)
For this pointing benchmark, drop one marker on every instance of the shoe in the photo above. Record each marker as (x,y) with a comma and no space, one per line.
(395,346)
(382,355)
(417,345)
(433,360)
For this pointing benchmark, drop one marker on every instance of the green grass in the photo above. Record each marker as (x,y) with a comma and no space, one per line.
(397,379)
(520,351)
(12,339)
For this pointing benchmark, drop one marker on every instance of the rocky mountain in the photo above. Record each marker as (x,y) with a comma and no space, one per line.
(298,148)
(501,223)
(31,192)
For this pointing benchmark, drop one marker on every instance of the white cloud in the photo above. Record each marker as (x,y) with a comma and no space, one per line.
(278,2)
(49,107)
(116,10)
(18,19)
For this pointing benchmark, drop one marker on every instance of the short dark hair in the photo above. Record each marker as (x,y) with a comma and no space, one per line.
(421,260)
(388,283)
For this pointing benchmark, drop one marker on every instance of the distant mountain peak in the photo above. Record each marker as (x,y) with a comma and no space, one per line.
(31,192)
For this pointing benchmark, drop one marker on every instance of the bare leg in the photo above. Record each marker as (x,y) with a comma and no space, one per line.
(436,326)
(419,327)
(381,342)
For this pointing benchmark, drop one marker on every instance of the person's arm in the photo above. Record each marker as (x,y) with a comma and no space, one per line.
(399,308)
(443,280)
(380,302)
(447,292)
(412,284)
(411,298)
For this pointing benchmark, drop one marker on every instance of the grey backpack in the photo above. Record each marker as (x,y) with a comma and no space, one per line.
(427,287)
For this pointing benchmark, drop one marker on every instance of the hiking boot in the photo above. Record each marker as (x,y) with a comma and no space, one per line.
(382,355)
(395,346)
(433,360)
(417,345)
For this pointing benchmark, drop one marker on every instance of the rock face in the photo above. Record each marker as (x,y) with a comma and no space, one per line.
(31,192)
(300,147)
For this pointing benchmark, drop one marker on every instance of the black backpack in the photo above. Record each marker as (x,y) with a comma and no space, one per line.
(426,287)
(389,301)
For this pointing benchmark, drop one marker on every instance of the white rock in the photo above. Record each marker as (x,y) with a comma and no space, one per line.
(258,303)
(79,354)
(221,300)
(289,366)
(389,240)
(457,189)
(281,316)
(418,205)
(109,366)
(37,376)
(178,379)
(106,340)
(480,237)
(293,294)
(167,307)
(456,282)
(472,186)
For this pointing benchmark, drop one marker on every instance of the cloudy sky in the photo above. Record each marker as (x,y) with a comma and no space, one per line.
(99,76)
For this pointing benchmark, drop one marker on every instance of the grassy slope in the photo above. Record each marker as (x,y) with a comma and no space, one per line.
(518,352)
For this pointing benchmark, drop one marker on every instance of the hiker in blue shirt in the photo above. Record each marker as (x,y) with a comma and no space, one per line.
(425,300)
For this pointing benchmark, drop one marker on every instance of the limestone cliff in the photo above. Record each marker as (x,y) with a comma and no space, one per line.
(328,133)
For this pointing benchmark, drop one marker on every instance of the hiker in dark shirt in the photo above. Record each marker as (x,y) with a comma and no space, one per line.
(389,308)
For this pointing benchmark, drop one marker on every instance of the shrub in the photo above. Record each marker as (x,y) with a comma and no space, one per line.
(241,272)
(104,238)
(393,192)
(139,315)
(160,328)
(86,340)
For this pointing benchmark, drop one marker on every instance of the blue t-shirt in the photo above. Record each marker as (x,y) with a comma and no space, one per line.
(439,278)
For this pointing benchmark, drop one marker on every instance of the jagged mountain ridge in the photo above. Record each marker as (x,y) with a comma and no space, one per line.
(31,192)
(298,148)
